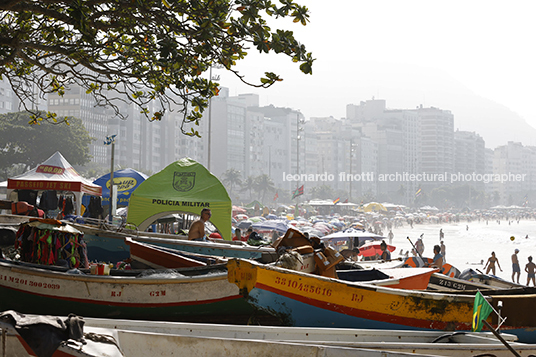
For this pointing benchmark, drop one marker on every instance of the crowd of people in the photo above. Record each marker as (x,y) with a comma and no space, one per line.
(197,232)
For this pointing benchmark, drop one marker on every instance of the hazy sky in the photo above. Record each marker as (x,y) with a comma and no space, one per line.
(363,46)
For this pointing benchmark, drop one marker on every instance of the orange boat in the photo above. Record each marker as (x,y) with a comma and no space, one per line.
(398,278)
(446,269)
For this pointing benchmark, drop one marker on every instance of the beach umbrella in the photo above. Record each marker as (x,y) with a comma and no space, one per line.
(238,209)
(371,248)
(374,207)
(244,225)
(279,226)
(322,227)
(241,216)
(314,232)
(256,219)
(357,225)
(337,223)
(271,216)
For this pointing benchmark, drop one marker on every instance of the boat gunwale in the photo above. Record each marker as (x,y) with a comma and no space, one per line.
(180,239)
(113,279)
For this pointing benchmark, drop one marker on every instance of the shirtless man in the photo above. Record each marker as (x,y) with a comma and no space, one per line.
(197,229)
(530,268)
(515,266)
(437,262)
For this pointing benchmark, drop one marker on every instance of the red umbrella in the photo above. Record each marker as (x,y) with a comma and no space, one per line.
(371,248)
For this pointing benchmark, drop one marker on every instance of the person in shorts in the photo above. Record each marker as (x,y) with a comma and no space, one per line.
(515,266)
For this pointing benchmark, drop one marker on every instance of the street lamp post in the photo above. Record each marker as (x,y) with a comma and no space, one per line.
(110,140)
(351,157)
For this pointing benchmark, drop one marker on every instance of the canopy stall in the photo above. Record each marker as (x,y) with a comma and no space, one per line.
(125,182)
(184,186)
(55,174)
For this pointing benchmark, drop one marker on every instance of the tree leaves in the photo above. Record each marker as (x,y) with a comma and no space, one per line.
(30,145)
(140,51)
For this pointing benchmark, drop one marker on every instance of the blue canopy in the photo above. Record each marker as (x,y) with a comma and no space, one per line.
(125,182)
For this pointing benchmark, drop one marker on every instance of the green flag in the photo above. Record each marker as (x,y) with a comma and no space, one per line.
(481,311)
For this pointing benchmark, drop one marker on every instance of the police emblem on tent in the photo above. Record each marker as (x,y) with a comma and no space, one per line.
(184,181)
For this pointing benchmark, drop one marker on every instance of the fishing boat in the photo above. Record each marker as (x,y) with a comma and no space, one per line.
(152,256)
(189,294)
(398,278)
(350,239)
(136,338)
(491,281)
(107,244)
(307,300)
(417,262)
(13,219)
(39,335)
(441,282)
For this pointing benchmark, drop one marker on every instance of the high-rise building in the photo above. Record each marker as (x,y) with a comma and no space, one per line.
(469,157)
(437,144)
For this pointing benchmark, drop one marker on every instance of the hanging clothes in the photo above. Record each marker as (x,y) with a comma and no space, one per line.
(94,208)
(49,246)
(29,196)
(49,200)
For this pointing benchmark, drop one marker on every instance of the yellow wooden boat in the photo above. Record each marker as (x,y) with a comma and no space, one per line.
(301,299)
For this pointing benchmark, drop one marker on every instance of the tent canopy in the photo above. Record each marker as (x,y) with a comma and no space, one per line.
(55,174)
(125,182)
(183,186)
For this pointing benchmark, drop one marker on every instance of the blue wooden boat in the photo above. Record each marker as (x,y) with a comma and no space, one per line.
(307,300)
(109,245)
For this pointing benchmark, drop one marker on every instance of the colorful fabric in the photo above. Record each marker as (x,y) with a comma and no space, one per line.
(298,192)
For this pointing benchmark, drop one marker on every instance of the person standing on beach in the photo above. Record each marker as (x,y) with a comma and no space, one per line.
(419,245)
(443,252)
(438,258)
(391,236)
(441,235)
(530,268)
(491,264)
(515,266)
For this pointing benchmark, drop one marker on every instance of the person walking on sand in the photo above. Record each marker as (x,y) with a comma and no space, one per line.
(391,236)
(530,268)
(515,266)
(419,245)
(491,264)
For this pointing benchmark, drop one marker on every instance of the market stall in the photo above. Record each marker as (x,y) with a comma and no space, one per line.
(56,175)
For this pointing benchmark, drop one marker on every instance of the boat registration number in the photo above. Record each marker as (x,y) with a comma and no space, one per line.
(31,283)
(454,285)
(296,285)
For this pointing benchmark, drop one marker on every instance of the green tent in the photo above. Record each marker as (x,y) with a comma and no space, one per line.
(255,203)
(184,186)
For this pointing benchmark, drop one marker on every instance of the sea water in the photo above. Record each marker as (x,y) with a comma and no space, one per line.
(470,243)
